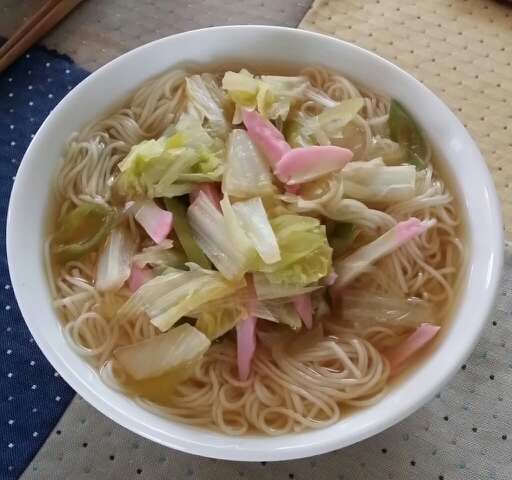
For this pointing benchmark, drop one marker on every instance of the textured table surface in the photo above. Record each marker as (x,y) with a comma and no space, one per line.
(462,51)
(98,31)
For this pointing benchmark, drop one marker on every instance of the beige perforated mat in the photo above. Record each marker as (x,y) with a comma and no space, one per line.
(460,49)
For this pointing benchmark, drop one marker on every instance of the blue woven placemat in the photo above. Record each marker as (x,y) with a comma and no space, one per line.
(32,395)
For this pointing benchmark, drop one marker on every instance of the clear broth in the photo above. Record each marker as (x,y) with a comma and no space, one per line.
(441,170)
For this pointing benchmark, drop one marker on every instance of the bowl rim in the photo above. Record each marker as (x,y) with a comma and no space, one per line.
(257,448)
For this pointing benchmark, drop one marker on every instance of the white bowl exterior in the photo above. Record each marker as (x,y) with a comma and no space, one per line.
(29,203)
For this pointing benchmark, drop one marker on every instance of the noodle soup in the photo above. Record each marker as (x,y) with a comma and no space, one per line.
(175,293)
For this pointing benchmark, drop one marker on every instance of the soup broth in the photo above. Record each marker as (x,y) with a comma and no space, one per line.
(299,377)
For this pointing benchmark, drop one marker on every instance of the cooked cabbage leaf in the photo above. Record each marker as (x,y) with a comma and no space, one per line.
(216,322)
(270,95)
(305,252)
(168,297)
(170,167)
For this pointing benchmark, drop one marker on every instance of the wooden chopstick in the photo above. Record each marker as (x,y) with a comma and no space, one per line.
(34,28)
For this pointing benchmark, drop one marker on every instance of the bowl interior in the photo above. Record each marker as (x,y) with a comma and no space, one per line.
(27,219)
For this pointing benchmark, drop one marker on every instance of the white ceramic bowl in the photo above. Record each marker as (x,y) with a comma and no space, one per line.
(29,200)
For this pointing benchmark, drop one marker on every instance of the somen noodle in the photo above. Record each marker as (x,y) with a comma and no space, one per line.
(297,379)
